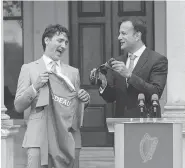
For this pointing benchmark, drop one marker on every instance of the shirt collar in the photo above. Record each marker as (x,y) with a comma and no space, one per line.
(139,52)
(48,60)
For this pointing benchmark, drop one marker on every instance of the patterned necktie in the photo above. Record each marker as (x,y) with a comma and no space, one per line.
(131,65)
(53,67)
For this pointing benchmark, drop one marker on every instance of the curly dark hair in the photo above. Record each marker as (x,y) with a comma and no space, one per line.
(51,30)
(139,26)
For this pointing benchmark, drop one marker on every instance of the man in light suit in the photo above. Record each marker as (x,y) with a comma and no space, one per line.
(33,77)
(139,70)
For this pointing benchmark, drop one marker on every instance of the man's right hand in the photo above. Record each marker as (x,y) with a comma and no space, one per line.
(41,80)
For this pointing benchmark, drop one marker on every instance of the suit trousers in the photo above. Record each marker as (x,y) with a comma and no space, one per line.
(34,159)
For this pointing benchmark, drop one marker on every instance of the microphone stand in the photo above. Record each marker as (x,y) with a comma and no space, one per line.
(141,99)
(155,105)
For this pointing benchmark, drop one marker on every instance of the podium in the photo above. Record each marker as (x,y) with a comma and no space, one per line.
(147,142)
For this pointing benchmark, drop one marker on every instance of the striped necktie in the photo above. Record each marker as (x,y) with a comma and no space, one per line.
(131,65)
(53,67)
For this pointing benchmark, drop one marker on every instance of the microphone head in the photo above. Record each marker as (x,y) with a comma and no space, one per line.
(155,97)
(141,96)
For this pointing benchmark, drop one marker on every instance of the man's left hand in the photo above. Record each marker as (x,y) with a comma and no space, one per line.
(121,68)
(83,95)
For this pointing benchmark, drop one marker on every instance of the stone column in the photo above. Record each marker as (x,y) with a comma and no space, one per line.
(8,129)
(175,49)
(3,108)
(7,145)
(183,149)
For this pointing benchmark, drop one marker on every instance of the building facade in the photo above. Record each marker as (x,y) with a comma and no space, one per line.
(94,27)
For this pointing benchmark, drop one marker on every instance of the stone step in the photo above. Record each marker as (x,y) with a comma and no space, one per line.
(97,157)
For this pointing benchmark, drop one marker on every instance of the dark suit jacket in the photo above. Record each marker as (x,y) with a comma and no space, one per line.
(148,77)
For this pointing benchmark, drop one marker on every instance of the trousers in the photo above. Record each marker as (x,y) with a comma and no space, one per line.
(34,159)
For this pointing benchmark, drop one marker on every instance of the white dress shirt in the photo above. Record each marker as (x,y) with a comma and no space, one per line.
(49,62)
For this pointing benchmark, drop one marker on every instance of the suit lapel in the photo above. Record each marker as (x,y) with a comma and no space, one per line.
(121,79)
(67,72)
(43,98)
(141,62)
(41,65)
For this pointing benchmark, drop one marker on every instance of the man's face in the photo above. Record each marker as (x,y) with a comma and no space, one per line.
(127,36)
(56,45)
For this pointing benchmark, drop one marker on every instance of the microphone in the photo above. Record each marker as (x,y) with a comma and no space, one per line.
(141,99)
(155,104)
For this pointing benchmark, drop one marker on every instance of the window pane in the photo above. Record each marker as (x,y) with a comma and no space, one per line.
(13,60)
(129,6)
(11,8)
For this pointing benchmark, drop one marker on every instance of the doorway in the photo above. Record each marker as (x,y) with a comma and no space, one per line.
(94,28)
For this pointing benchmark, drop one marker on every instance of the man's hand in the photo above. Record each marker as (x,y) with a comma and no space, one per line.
(120,67)
(92,74)
(83,95)
(101,77)
(41,80)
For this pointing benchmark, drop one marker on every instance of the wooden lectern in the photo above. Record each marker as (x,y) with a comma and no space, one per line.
(147,142)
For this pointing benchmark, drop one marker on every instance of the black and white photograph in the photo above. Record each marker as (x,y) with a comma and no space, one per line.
(93,84)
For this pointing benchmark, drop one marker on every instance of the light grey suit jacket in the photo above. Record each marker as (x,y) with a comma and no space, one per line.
(25,98)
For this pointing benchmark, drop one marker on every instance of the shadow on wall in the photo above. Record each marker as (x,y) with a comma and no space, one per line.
(12,64)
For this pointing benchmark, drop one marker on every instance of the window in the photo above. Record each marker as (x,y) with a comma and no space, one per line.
(13,52)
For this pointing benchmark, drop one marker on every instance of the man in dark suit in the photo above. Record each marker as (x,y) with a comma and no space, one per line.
(33,79)
(139,70)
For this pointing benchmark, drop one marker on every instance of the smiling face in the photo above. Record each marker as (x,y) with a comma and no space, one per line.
(56,45)
(128,37)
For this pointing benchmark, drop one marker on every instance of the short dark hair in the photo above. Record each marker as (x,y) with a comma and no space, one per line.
(51,30)
(139,26)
